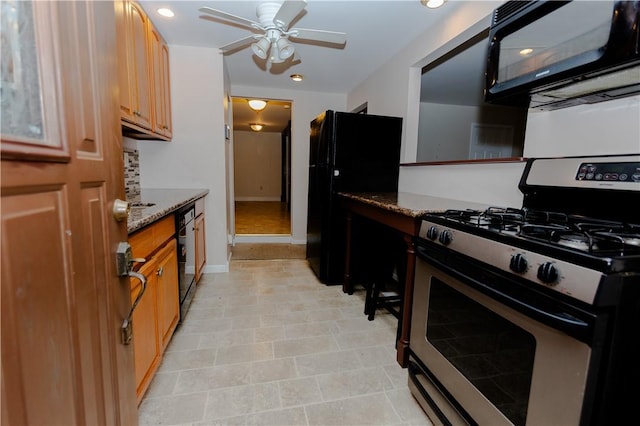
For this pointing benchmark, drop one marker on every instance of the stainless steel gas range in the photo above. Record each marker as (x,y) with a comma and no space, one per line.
(531,315)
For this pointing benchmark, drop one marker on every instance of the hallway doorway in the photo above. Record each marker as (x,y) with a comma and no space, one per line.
(262,168)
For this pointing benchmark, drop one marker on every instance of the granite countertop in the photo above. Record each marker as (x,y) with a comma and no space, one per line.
(409,204)
(164,202)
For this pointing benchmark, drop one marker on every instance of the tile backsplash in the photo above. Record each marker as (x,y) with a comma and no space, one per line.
(131,172)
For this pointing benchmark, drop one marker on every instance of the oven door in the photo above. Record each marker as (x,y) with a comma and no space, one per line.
(480,357)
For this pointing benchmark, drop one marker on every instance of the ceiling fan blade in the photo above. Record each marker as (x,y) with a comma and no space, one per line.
(318,35)
(238,43)
(229,17)
(288,11)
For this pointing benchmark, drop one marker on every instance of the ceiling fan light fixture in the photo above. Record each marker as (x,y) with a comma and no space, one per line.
(261,48)
(257,104)
(275,57)
(256,127)
(285,49)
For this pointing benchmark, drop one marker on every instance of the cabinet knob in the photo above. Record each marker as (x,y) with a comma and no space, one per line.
(160,271)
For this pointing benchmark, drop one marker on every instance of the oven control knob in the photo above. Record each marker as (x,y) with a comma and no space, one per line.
(445,237)
(432,232)
(548,273)
(518,263)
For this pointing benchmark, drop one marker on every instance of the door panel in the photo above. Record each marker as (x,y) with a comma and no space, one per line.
(62,301)
(37,334)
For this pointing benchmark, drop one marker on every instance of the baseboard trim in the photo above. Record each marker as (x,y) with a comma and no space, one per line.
(262,238)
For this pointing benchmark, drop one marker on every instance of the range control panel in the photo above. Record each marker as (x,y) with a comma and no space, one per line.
(619,172)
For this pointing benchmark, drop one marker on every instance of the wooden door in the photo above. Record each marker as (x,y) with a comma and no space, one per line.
(62,301)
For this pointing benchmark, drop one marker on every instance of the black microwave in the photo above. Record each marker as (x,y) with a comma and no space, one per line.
(554,54)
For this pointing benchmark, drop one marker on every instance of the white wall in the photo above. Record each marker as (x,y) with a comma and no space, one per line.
(195,158)
(257,163)
(304,108)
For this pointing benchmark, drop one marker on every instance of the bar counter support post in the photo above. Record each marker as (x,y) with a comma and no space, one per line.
(402,345)
(347,286)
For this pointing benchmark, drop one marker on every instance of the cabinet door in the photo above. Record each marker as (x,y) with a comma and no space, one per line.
(159,60)
(138,22)
(166,89)
(201,254)
(124,62)
(168,292)
(146,345)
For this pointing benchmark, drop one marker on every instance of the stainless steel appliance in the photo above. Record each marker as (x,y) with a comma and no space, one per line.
(186,257)
(348,153)
(531,315)
(557,54)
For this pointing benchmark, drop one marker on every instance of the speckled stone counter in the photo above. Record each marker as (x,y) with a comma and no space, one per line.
(403,212)
(161,203)
(408,204)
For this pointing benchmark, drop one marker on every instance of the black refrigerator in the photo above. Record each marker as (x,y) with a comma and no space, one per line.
(349,152)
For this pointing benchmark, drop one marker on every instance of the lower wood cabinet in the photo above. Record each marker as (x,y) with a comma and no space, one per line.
(201,254)
(158,311)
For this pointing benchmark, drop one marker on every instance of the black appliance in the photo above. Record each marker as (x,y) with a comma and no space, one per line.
(349,152)
(186,257)
(530,315)
(555,54)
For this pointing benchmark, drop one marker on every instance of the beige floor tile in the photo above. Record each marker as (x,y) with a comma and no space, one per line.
(205,379)
(373,409)
(346,384)
(173,410)
(273,370)
(303,346)
(268,344)
(299,391)
(244,353)
(241,400)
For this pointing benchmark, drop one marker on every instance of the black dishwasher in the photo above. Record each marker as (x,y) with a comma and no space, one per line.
(186,257)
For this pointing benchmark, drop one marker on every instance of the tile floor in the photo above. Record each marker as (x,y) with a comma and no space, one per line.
(267,344)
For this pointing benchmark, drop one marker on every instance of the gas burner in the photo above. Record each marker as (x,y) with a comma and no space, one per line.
(577,241)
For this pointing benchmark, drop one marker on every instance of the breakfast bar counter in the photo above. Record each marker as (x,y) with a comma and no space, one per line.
(401,211)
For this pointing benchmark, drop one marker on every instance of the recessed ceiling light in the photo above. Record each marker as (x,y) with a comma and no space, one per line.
(166,12)
(296,77)
(526,51)
(432,4)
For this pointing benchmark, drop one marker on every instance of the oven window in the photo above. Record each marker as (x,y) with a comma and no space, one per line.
(494,354)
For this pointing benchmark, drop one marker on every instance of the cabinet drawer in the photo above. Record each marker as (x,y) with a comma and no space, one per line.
(145,241)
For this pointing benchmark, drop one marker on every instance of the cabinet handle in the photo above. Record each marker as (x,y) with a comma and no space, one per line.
(160,271)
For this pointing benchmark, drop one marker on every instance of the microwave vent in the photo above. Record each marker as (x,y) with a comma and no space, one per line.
(509,9)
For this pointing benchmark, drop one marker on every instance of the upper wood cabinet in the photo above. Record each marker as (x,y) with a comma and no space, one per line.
(159,58)
(145,103)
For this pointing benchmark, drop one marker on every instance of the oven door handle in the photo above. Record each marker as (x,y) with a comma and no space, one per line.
(568,323)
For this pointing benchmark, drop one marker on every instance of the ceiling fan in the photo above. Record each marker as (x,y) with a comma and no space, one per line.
(274,19)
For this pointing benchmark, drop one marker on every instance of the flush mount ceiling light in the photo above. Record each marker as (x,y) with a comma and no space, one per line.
(257,104)
(296,77)
(526,51)
(166,12)
(256,127)
(432,4)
